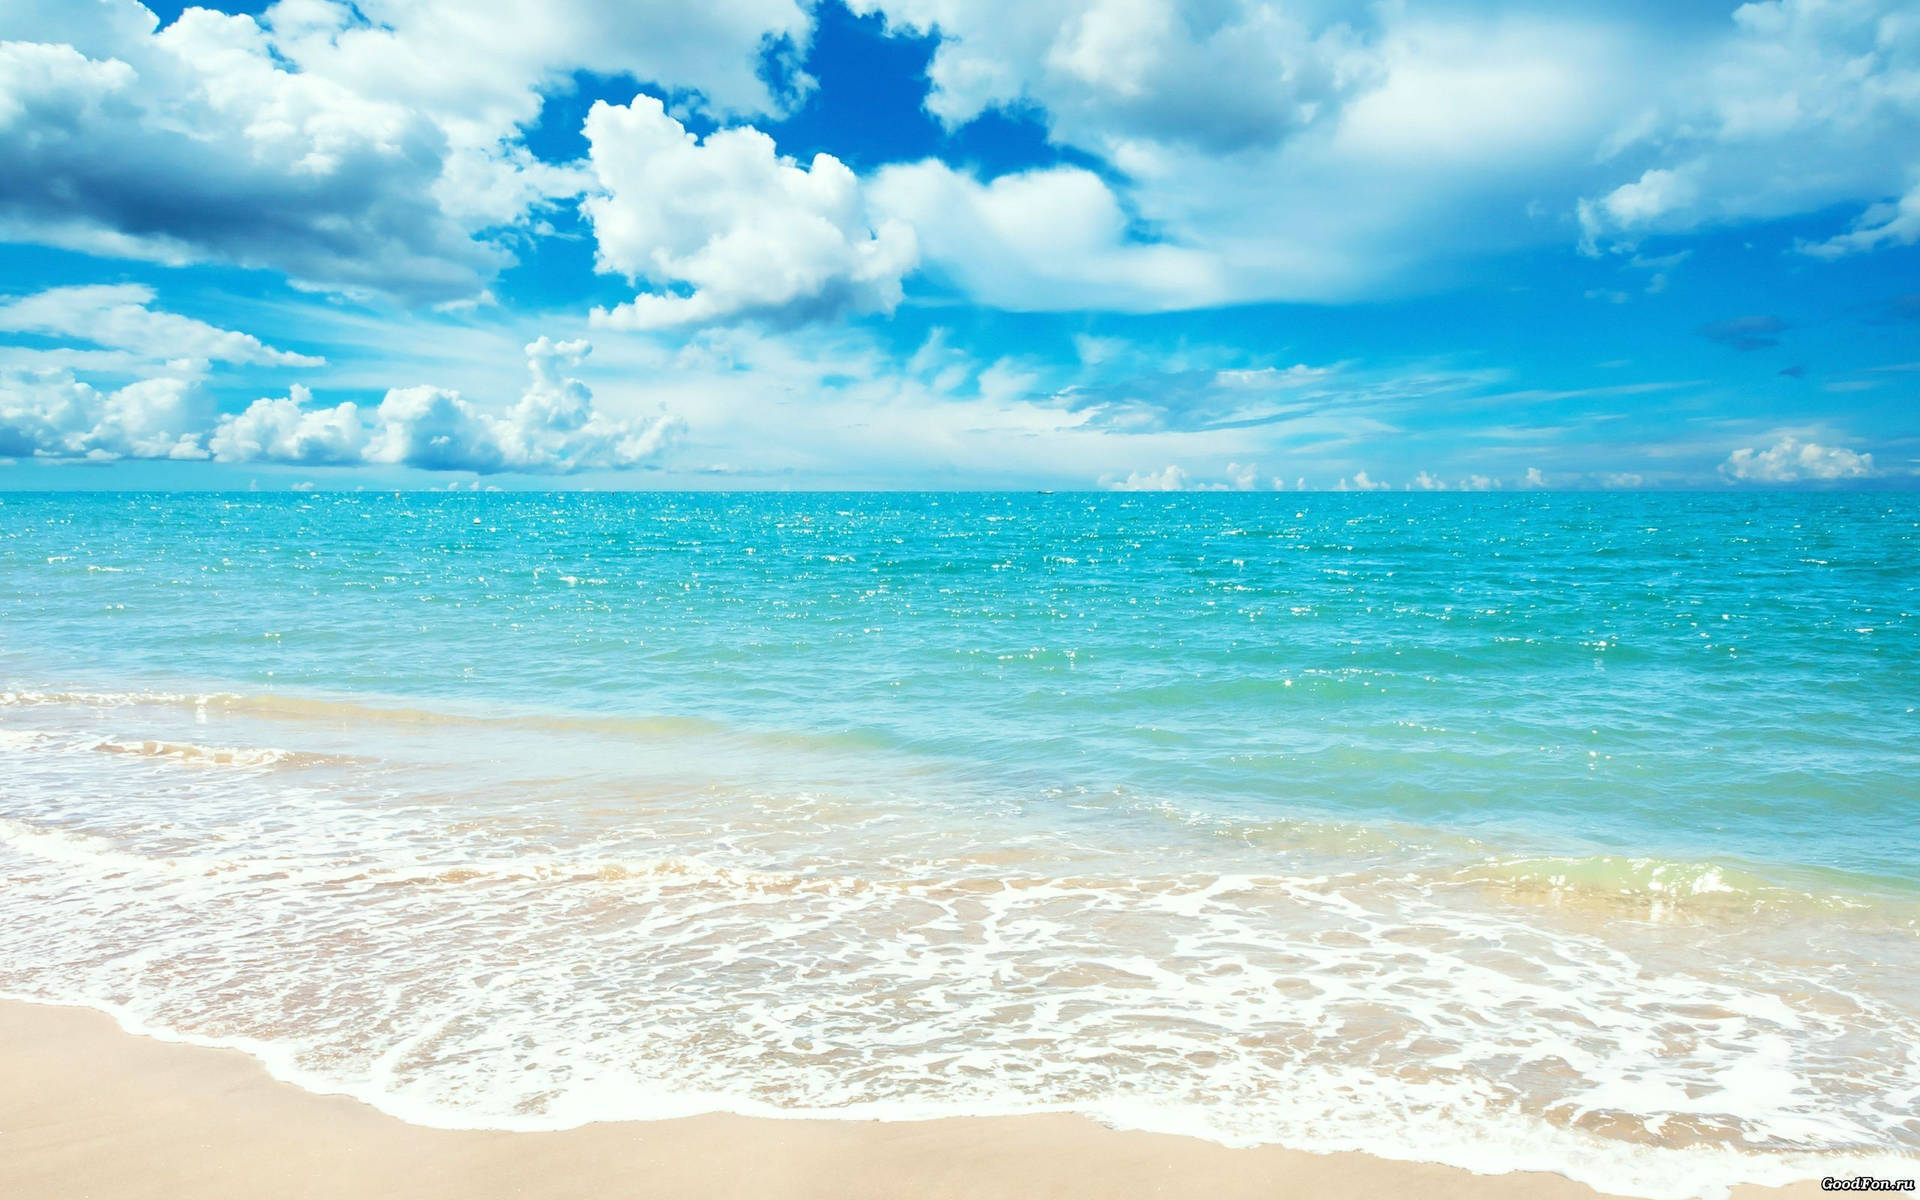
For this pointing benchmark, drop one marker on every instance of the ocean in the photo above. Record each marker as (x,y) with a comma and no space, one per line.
(1572,832)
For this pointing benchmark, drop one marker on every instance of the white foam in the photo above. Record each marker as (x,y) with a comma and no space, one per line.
(465,953)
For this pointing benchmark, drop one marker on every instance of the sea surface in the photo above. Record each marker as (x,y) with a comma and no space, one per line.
(1568,832)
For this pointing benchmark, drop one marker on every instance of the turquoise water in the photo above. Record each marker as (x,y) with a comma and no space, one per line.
(1685,675)
(1656,753)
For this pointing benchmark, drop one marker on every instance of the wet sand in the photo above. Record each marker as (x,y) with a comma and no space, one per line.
(89,1110)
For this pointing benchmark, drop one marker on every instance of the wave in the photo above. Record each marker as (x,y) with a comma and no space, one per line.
(109,857)
(221,756)
(1483,1145)
(749,971)
(1668,887)
(328,711)
(185,753)
(1661,887)
(1652,886)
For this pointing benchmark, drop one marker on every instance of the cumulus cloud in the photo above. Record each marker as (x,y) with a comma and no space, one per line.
(1892,224)
(1257,152)
(1790,460)
(196,145)
(1641,204)
(352,146)
(1426,481)
(1326,152)
(1360,481)
(50,414)
(1224,76)
(286,430)
(1247,150)
(486,67)
(119,317)
(1238,477)
(1796,106)
(728,228)
(553,429)
(1243,477)
(555,426)
(1042,239)
(1172,478)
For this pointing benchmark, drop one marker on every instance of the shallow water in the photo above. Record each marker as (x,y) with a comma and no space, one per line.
(1567,832)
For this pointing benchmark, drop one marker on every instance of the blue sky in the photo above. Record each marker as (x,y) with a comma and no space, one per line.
(942,243)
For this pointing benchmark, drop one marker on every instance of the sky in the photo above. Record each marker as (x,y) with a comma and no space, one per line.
(1068,244)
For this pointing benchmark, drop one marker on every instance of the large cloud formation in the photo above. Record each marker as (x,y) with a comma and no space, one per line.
(743,230)
(1242,150)
(553,429)
(51,414)
(1799,105)
(1220,76)
(1259,151)
(1790,460)
(366,146)
(1333,151)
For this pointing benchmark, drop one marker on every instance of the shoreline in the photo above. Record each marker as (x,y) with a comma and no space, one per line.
(97,1111)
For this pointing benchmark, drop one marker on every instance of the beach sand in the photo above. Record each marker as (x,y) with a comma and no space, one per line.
(88,1110)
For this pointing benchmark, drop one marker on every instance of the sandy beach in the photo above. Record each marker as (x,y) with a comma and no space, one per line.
(92,1111)
(772,599)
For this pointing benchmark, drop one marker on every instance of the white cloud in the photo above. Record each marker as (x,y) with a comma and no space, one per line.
(553,429)
(1329,152)
(1042,239)
(742,230)
(1359,481)
(483,66)
(433,429)
(1297,375)
(1893,224)
(1249,150)
(1658,193)
(1237,477)
(1257,153)
(118,317)
(50,414)
(1172,478)
(555,426)
(1797,105)
(1790,460)
(286,430)
(193,144)
(1534,478)
(1224,75)
(367,146)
